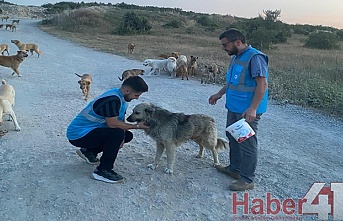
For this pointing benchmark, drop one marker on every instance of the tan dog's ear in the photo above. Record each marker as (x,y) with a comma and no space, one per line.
(79,82)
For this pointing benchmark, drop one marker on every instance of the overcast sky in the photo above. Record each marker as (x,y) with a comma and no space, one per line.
(315,12)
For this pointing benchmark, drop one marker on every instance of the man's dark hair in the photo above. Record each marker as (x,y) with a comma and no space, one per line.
(233,34)
(136,83)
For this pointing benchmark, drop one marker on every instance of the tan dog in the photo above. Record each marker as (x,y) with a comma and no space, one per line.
(85,84)
(130,48)
(13,61)
(181,70)
(4,18)
(3,48)
(166,56)
(210,75)
(130,73)
(27,47)
(7,100)
(192,65)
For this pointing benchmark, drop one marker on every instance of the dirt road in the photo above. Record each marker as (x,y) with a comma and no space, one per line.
(41,177)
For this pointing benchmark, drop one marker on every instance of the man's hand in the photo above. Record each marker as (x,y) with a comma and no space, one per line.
(213,99)
(249,115)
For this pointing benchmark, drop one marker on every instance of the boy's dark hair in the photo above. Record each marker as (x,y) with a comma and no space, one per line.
(136,83)
(233,34)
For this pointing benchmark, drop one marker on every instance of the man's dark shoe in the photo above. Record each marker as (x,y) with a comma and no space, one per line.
(88,156)
(227,171)
(108,176)
(241,185)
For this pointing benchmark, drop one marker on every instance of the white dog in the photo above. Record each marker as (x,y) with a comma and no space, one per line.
(156,65)
(171,66)
(181,60)
(7,100)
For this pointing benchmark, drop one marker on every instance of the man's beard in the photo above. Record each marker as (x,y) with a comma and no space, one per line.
(126,98)
(233,52)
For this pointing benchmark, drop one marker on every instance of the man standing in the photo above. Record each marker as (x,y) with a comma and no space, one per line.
(246,92)
(100,127)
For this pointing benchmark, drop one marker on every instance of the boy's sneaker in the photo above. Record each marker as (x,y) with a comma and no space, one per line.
(88,156)
(108,176)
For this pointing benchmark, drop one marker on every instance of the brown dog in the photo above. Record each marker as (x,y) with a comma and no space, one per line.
(9,26)
(210,75)
(4,18)
(192,65)
(130,48)
(3,48)
(7,100)
(13,61)
(85,84)
(181,70)
(27,47)
(130,73)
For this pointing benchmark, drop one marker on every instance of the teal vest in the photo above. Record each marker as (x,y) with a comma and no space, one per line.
(241,86)
(88,120)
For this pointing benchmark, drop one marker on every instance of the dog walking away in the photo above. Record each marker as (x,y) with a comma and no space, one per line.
(3,48)
(13,61)
(130,73)
(7,100)
(85,84)
(170,130)
(27,47)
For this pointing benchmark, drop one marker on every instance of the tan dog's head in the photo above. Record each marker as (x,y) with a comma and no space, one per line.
(212,68)
(175,55)
(16,42)
(193,60)
(83,85)
(143,112)
(22,54)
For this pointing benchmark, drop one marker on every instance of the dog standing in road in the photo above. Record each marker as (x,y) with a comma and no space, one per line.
(85,84)
(170,130)
(130,73)
(3,48)
(27,47)
(7,100)
(13,61)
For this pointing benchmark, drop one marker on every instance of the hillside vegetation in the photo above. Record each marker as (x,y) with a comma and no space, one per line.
(299,73)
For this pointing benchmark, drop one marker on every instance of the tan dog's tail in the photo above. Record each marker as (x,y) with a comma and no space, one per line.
(222,144)
(78,75)
(3,82)
(121,79)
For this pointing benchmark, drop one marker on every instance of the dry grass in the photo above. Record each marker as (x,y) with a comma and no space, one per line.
(298,75)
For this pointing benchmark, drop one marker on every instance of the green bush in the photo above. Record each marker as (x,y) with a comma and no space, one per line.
(133,24)
(339,34)
(322,40)
(173,24)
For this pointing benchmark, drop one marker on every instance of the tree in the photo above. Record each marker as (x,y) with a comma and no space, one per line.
(133,24)
(271,15)
(322,40)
